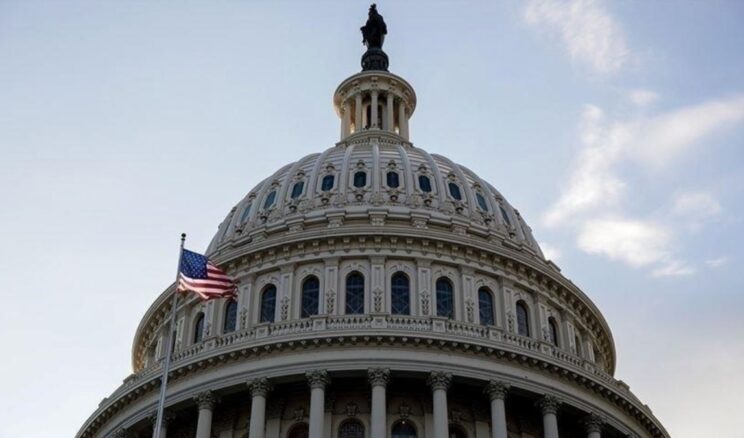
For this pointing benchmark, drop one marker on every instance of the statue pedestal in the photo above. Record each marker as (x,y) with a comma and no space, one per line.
(374,59)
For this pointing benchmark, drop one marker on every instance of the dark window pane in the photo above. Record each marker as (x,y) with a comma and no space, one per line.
(424,183)
(351,429)
(505,215)
(485,306)
(327,183)
(300,430)
(231,316)
(481,201)
(199,328)
(553,331)
(455,191)
(354,294)
(523,321)
(445,298)
(360,179)
(400,294)
(393,179)
(270,199)
(403,429)
(310,296)
(297,189)
(268,304)
(246,213)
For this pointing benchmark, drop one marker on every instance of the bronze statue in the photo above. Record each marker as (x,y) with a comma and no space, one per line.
(373,34)
(375,30)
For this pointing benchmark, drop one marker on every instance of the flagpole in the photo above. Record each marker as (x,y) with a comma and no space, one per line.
(169,347)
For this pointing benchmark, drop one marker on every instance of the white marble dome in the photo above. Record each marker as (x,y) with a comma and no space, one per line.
(383,180)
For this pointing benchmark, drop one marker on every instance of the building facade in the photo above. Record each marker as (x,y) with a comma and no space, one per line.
(383,292)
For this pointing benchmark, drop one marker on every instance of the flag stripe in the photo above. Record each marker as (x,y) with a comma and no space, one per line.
(200,276)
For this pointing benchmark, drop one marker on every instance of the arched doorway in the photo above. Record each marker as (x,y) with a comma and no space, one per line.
(299,430)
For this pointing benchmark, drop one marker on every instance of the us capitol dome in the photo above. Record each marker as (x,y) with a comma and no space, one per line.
(383,292)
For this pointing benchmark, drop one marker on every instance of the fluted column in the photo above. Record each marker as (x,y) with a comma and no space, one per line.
(549,407)
(206,401)
(259,389)
(358,113)
(373,123)
(378,379)
(167,417)
(497,393)
(390,119)
(440,382)
(317,380)
(345,120)
(593,425)
(402,120)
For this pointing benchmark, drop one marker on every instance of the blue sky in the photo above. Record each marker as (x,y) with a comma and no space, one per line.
(616,128)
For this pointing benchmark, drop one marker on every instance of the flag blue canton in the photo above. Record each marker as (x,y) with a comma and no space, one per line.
(193,265)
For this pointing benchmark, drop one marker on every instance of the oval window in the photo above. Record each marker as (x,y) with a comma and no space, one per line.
(455,191)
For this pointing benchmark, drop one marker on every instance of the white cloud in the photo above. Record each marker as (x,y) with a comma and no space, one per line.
(589,33)
(673,268)
(550,251)
(696,206)
(717,262)
(643,97)
(636,243)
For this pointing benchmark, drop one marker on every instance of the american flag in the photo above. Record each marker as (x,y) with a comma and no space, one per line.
(197,274)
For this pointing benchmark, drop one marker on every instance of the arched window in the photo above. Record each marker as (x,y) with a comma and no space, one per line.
(268,303)
(445,298)
(485,306)
(523,319)
(400,294)
(403,429)
(310,296)
(299,430)
(297,189)
(327,183)
(351,428)
(481,201)
(456,431)
(455,191)
(231,316)
(360,179)
(198,328)
(553,326)
(505,215)
(393,180)
(246,213)
(270,200)
(355,294)
(424,183)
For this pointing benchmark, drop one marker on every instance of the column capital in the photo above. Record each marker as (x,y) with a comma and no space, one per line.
(206,400)
(317,379)
(122,433)
(548,404)
(593,423)
(496,390)
(260,387)
(168,416)
(378,376)
(439,380)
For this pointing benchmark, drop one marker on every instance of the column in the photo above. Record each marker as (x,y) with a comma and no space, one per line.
(346,120)
(167,417)
(593,425)
(259,389)
(497,393)
(358,113)
(374,112)
(378,379)
(440,382)
(390,119)
(549,408)
(206,401)
(402,120)
(317,380)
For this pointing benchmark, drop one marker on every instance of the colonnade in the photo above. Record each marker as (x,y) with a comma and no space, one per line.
(438,381)
(374,98)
